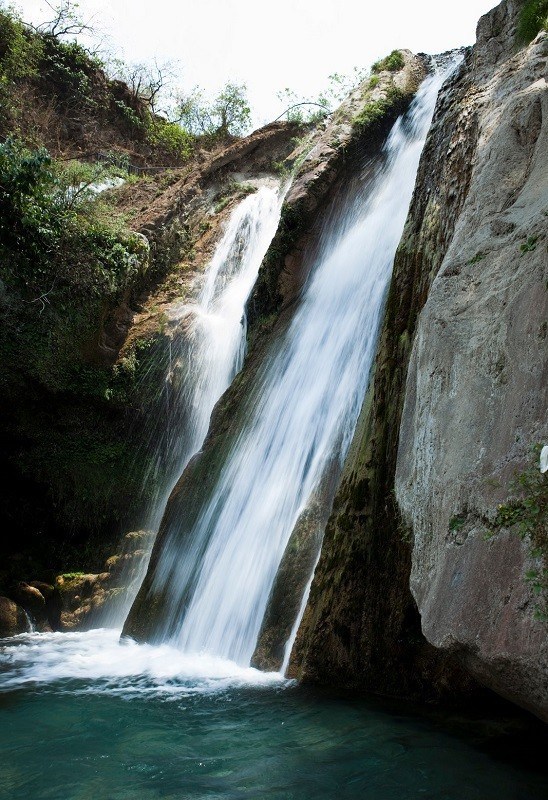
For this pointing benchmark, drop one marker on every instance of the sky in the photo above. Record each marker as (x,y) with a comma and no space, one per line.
(270,46)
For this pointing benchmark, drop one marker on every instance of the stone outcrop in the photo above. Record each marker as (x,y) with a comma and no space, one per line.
(90,600)
(477,388)
(13,619)
(361,628)
(473,251)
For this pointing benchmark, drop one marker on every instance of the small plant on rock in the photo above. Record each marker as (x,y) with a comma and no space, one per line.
(392,63)
(526,512)
(533,18)
(529,245)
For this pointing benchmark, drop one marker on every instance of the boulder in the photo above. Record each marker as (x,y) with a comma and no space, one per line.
(13,619)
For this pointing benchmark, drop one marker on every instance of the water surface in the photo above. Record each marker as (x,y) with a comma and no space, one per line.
(83,718)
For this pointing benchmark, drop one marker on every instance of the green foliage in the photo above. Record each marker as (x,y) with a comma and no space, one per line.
(63,263)
(392,63)
(70,68)
(375,110)
(228,114)
(529,245)
(371,113)
(19,50)
(129,114)
(457,522)
(299,109)
(49,243)
(312,110)
(532,19)
(527,513)
(339,87)
(19,58)
(281,168)
(171,137)
(233,191)
(478,257)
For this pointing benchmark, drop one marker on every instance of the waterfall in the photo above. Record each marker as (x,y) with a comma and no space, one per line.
(208,345)
(206,349)
(301,418)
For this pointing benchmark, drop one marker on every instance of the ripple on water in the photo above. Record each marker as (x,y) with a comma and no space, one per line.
(86,717)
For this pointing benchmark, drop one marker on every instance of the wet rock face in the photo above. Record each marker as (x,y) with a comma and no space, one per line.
(474,401)
(477,389)
(86,600)
(361,628)
(292,577)
(13,619)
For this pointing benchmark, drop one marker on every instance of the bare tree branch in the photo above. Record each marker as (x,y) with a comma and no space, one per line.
(43,299)
(304,103)
(66,21)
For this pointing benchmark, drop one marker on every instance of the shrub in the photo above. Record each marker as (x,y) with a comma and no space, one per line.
(50,244)
(19,57)
(70,69)
(392,63)
(375,110)
(19,50)
(228,114)
(532,19)
(170,137)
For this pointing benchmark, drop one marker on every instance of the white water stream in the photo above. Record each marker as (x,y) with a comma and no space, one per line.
(305,412)
(211,350)
(207,348)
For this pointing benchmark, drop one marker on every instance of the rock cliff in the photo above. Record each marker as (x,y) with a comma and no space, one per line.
(467,306)
(477,389)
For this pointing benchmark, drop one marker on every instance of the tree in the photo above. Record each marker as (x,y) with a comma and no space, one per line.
(228,114)
(66,21)
(310,110)
(149,83)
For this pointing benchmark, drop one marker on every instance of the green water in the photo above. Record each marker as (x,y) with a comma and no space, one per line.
(143,733)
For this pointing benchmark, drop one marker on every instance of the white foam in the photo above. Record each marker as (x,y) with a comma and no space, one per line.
(98,662)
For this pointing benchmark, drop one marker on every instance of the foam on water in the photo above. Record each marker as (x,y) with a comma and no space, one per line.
(99,662)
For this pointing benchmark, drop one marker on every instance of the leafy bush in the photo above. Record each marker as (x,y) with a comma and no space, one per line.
(19,50)
(70,68)
(392,63)
(375,110)
(170,137)
(228,114)
(49,244)
(19,56)
(532,19)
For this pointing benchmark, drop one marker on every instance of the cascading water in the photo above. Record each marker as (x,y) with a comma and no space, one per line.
(207,348)
(88,715)
(210,351)
(306,405)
